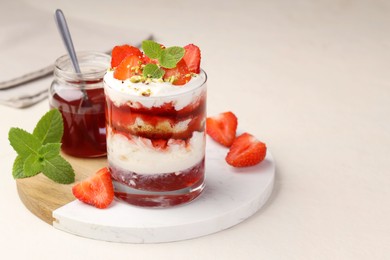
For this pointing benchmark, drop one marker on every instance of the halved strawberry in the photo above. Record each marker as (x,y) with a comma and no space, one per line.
(192,58)
(245,151)
(130,66)
(96,190)
(120,52)
(222,128)
(180,73)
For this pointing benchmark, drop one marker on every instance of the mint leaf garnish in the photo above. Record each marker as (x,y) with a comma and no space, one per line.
(58,170)
(50,128)
(40,151)
(50,150)
(167,57)
(151,49)
(23,142)
(32,165)
(153,71)
(17,168)
(171,56)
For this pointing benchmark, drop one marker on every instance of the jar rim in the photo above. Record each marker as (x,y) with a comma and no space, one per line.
(93,65)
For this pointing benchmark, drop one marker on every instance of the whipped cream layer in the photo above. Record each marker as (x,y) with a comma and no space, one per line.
(121,92)
(138,154)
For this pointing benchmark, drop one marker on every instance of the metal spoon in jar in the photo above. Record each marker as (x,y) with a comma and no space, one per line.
(67,39)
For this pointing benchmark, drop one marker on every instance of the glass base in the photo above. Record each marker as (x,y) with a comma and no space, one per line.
(157,199)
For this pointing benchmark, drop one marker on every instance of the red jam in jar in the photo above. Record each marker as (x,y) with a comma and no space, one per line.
(80,99)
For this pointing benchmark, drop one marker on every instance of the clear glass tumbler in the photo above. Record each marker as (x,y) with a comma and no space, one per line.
(80,99)
(156,143)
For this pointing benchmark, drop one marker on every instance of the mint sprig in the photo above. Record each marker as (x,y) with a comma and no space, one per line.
(40,151)
(171,56)
(23,142)
(152,49)
(50,128)
(153,71)
(166,57)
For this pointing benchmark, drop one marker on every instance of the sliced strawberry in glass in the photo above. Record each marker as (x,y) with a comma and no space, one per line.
(181,75)
(192,58)
(129,67)
(121,52)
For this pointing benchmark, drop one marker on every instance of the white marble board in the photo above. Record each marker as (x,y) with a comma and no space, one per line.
(231,195)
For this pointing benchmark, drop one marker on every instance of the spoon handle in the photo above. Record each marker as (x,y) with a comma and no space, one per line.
(67,38)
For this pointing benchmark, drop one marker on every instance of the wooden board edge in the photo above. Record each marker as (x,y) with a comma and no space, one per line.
(41,196)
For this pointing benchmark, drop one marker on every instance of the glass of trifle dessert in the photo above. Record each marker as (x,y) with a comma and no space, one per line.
(155,119)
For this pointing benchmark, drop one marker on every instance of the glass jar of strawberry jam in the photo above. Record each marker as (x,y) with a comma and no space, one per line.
(80,99)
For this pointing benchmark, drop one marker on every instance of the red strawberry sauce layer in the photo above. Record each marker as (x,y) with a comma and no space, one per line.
(160,182)
(159,201)
(157,123)
(176,188)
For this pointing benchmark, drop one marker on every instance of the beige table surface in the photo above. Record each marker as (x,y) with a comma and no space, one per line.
(309,78)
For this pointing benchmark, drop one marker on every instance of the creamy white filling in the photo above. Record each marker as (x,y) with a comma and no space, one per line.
(121,92)
(138,154)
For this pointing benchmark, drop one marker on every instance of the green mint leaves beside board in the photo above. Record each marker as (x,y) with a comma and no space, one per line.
(167,58)
(40,151)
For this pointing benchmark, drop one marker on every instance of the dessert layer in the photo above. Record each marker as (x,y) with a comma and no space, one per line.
(150,95)
(156,127)
(139,155)
(158,184)
(166,109)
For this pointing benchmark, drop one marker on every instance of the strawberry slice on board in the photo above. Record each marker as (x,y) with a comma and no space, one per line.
(222,128)
(192,58)
(120,52)
(96,190)
(130,66)
(246,151)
